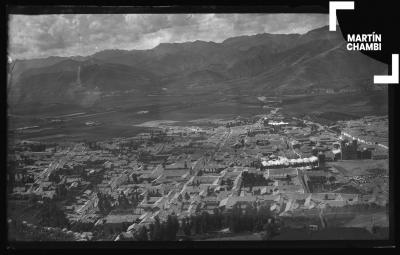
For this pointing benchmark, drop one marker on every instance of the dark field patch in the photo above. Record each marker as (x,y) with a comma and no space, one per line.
(119,115)
(355,104)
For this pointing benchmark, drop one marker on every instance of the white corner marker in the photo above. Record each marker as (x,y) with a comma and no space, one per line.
(336,5)
(390,79)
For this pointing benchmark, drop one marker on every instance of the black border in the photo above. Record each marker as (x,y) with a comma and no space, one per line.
(218,7)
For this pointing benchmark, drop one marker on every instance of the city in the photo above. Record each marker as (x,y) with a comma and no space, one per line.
(133,127)
(254,178)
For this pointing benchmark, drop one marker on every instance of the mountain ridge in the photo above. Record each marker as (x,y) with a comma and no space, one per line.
(260,64)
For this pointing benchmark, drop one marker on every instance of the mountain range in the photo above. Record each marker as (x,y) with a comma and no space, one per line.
(262,64)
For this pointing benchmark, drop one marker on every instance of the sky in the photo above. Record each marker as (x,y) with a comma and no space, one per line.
(39,36)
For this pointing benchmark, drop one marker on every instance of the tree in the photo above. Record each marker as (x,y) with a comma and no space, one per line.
(331,179)
(271,229)
(180,197)
(218,218)
(187,197)
(229,183)
(123,200)
(186,226)
(142,234)
(288,179)
(198,224)
(175,226)
(51,215)
(104,203)
(61,191)
(151,232)
(157,229)
(171,227)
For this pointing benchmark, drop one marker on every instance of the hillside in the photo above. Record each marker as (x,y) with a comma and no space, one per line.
(267,64)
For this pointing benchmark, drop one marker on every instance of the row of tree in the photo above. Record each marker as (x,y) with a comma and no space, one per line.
(159,231)
(21,232)
(51,215)
(241,218)
(249,218)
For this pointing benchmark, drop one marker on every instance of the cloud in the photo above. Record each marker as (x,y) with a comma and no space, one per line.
(84,34)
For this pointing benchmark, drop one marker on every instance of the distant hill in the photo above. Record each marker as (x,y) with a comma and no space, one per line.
(267,64)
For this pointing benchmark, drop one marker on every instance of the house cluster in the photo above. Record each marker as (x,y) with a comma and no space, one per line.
(121,184)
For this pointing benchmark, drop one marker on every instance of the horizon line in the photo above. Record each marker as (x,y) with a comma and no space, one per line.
(116,49)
